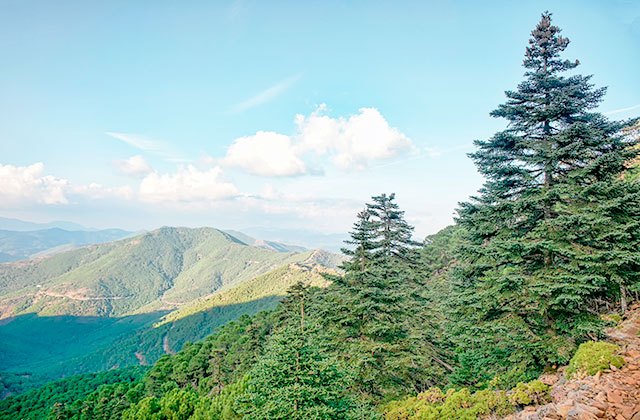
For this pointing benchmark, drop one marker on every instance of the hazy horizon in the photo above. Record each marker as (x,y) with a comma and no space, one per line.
(121,114)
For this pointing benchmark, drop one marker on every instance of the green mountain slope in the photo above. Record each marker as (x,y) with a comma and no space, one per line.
(159,270)
(129,302)
(273,283)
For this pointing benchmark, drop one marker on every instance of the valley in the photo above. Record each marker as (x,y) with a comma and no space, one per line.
(130,301)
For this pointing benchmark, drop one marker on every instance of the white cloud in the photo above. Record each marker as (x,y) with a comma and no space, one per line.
(318,133)
(27,184)
(146,144)
(265,153)
(188,184)
(99,191)
(266,95)
(351,143)
(364,138)
(134,166)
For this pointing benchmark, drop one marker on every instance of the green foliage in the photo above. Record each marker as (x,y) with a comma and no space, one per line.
(551,241)
(460,404)
(16,383)
(534,392)
(633,165)
(611,319)
(107,402)
(593,357)
(463,404)
(222,406)
(296,378)
(555,230)
(166,265)
(147,408)
(378,312)
(210,365)
(52,346)
(38,403)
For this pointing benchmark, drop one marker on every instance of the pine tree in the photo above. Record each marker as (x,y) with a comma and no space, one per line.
(362,241)
(555,229)
(296,378)
(393,235)
(376,309)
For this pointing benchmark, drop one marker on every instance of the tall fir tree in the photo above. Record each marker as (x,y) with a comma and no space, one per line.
(296,378)
(376,309)
(393,235)
(362,239)
(555,229)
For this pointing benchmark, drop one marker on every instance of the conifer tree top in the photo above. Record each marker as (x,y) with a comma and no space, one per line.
(545,45)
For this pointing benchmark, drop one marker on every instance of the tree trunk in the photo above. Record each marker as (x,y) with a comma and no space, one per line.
(623,298)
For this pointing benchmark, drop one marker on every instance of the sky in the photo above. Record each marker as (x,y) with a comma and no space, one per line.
(280,114)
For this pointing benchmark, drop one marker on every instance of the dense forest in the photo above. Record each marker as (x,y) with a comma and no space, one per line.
(538,263)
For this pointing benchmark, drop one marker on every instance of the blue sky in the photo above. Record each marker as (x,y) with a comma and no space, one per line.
(282,114)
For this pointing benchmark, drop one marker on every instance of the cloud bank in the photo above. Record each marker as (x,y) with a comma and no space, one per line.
(20,185)
(352,143)
(187,184)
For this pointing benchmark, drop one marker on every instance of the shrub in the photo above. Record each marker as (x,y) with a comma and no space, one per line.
(534,392)
(593,357)
(612,319)
(455,404)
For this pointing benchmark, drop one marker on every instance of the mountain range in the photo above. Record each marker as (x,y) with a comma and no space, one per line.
(19,245)
(132,300)
(7,223)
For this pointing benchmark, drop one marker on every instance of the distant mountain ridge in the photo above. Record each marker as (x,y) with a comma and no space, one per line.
(308,238)
(7,223)
(19,245)
(263,243)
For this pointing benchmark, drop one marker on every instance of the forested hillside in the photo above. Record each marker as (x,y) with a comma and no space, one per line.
(461,325)
(163,269)
(129,302)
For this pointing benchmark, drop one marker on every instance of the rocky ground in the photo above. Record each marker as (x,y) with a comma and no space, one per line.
(612,394)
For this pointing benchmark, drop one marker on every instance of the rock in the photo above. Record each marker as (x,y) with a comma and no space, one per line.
(564,409)
(549,378)
(613,368)
(549,412)
(614,396)
(634,354)
(586,387)
(601,405)
(578,413)
(628,412)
